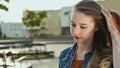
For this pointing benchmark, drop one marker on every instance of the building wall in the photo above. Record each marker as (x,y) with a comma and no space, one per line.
(111,4)
(13,30)
(51,24)
(32,32)
(65,20)
(65,17)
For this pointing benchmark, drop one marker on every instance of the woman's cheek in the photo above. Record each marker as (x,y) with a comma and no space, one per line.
(71,31)
(86,33)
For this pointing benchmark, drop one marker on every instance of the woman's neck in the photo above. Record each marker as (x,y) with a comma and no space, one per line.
(81,50)
(83,47)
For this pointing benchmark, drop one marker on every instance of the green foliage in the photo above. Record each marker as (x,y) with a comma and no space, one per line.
(33,18)
(4,7)
(7,0)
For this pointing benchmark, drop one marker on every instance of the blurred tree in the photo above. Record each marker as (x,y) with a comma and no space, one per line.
(4,7)
(33,18)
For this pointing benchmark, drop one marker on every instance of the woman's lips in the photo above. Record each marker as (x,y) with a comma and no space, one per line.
(76,37)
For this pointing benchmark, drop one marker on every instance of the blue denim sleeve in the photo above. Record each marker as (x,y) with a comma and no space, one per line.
(62,55)
(64,52)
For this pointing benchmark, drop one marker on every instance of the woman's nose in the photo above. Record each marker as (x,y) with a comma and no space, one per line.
(76,31)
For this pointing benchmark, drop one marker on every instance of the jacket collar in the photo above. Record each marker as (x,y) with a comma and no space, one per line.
(91,51)
(72,49)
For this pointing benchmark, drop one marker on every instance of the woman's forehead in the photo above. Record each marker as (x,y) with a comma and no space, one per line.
(81,18)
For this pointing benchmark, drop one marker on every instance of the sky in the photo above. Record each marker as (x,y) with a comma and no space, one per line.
(16,7)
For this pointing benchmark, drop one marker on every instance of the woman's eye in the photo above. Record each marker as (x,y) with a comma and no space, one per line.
(83,27)
(73,25)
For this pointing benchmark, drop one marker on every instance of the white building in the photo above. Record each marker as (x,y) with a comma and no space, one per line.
(65,20)
(64,16)
(13,30)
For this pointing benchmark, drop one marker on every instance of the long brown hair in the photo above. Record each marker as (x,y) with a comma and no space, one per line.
(102,39)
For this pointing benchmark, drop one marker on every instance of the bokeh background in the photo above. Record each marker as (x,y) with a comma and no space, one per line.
(34,32)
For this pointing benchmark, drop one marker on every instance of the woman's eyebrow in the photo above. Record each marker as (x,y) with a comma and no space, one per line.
(82,24)
(79,23)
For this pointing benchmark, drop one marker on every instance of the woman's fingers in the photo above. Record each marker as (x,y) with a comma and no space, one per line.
(111,23)
(108,17)
(106,13)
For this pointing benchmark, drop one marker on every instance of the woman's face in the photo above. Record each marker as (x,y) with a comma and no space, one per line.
(82,27)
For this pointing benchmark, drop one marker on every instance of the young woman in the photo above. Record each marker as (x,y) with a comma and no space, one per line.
(94,35)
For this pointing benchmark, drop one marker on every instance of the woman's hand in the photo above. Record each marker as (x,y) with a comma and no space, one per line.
(111,23)
(115,34)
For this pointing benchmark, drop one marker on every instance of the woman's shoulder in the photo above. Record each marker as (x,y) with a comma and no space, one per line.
(66,50)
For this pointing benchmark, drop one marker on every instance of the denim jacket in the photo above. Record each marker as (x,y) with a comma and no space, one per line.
(66,57)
